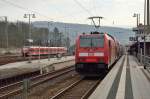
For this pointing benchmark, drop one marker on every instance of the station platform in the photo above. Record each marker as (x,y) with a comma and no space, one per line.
(126,80)
(18,68)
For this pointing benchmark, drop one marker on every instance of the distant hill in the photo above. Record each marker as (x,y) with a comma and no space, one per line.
(122,34)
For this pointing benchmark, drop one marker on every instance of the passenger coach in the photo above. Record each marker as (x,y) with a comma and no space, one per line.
(36,50)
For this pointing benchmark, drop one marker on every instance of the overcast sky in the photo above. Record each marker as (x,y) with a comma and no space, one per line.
(75,11)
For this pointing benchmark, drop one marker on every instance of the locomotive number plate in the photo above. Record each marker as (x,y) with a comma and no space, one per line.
(91,54)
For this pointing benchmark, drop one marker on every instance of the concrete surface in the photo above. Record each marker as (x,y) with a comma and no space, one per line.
(133,83)
(17,68)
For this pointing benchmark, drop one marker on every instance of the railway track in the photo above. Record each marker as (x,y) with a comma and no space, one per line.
(20,77)
(11,59)
(84,86)
(17,88)
(51,88)
(80,89)
(17,78)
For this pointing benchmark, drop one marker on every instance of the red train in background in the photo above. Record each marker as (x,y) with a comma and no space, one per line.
(95,53)
(36,50)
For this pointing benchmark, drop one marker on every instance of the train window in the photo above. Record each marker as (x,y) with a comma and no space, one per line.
(88,41)
(98,41)
(31,50)
(85,42)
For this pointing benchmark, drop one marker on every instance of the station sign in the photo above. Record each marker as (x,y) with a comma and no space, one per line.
(141,39)
(133,38)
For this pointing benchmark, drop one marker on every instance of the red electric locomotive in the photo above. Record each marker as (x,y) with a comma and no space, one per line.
(95,53)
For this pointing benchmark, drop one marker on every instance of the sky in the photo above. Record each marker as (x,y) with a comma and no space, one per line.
(116,13)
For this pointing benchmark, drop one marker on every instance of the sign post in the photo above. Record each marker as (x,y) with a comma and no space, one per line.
(26,86)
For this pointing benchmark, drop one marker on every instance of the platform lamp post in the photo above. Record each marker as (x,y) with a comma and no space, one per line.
(137,18)
(29,39)
(146,26)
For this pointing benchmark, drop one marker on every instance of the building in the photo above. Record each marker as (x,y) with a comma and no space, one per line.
(138,46)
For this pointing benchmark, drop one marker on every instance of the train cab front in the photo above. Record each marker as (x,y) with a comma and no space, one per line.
(90,55)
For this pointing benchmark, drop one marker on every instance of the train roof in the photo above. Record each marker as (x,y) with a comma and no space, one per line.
(41,47)
(92,33)
(99,33)
(111,37)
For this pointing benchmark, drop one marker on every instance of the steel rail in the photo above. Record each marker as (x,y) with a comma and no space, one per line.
(66,89)
(34,83)
(84,96)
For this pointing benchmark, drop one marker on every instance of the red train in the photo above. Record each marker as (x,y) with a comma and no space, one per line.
(36,50)
(95,53)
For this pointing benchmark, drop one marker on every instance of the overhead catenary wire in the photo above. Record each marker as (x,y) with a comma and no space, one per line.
(85,9)
(46,17)
(58,10)
(94,6)
(25,9)
(33,11)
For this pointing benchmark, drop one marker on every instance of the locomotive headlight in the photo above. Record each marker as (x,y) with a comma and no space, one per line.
(99,54)
(83,54)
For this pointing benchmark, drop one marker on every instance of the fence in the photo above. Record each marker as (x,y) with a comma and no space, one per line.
(144,60)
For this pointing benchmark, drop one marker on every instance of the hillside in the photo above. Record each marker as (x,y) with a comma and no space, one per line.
(72,30)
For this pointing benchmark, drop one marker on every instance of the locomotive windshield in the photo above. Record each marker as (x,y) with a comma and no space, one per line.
(92,41)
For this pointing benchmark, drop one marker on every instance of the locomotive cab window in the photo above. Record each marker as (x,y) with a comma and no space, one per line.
(92,41)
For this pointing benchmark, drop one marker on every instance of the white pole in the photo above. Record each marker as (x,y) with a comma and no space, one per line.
(48,43)
(141,56)
(144,32)
(39,53)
